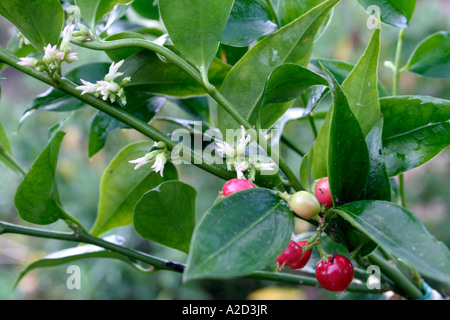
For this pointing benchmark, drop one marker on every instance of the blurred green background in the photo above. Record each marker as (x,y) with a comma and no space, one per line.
(345,39)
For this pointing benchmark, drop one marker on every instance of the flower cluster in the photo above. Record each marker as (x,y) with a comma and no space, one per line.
(238,161)
(107,88)
(53,57)
(159,155)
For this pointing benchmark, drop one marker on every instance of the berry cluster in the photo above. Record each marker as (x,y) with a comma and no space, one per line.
(333,272)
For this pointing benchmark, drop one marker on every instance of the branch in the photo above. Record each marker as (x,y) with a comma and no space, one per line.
(158,263)
(113,111)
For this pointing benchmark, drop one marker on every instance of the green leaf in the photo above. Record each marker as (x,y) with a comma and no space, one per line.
(149,74)
(248,21)
(40,21)
(306,169)
(289,10)
(195,27)
(293,43)
(157,208)
(121,187)
(360,86)
(416,129)
(77,253)
(146,8)
(401,233)
(378,186)
(285,83)
(397,13)
(431,57)
(93,11)
(348,157)
(58,101)
(6,154)
(142,105)
(36,198)
(341,69)
(4,142)
(241,233)
(320,160)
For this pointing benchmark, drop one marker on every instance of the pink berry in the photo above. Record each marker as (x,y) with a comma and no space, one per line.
(235,185)
(322,192)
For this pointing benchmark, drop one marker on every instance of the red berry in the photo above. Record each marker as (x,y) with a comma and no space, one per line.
(235,185)
(290,255)
(336,274)
(304,259)
(322,192)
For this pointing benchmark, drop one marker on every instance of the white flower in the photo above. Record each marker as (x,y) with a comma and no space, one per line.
(28,62)
(265,166)
(161,40)
(139,162)
(160,161)
(108,89)
(87,87)
(60,56)
(243,142)
(49,53)
(224,149)
(112,74)
(67,35)
(71,57)
(240,168)
(145,159)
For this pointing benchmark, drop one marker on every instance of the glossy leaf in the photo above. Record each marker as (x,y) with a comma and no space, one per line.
(121,187)
(146,8)
(401,233)
(157,208)
(348,157)
(37,199)
(397,13)
(378,186)
(5,151)
(93,11)
(416,129)
(293,43)
(320,160)
(248,21)
(431,57)
(142,105)
(40,21)
(306,169)
(289,10)
(195,27)
(4,141)
(341,69)
(149,74)
(360,86)
(285,83)
(241,233)
(58,101)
